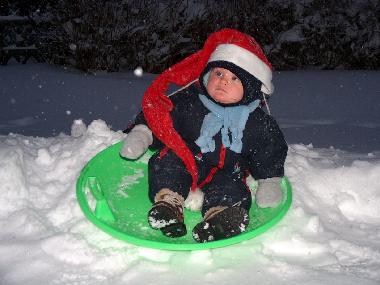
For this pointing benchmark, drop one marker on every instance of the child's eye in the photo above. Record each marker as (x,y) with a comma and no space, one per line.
(218,73)
(234,78)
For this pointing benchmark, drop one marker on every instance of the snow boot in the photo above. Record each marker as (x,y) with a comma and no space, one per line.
(166,214)
(221,223)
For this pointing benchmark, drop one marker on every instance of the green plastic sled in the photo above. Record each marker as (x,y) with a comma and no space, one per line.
(113,194)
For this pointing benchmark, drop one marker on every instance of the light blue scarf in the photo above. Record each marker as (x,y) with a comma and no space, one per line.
(226,119)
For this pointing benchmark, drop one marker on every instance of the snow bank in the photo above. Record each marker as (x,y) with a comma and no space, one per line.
(330,235)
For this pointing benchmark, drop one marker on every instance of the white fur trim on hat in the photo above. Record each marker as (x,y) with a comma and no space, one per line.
(246,60)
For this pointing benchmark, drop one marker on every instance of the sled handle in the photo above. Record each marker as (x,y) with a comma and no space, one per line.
(102,209)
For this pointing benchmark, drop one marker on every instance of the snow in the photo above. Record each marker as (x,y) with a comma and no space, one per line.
(331,234)
(138,71)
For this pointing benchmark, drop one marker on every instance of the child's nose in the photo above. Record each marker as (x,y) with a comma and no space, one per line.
(225,80)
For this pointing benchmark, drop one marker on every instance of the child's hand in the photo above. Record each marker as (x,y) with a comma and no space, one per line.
(136,142)
(269,193)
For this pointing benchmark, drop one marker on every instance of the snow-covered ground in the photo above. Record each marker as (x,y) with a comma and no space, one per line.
(60,118)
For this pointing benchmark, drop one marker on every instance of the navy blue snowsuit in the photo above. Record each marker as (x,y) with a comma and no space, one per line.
(263,155)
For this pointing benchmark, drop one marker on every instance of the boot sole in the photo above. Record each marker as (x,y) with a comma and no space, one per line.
(228,223)
(165,219)
(174,230)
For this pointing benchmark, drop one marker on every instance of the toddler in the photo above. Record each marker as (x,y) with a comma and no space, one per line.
(209,137)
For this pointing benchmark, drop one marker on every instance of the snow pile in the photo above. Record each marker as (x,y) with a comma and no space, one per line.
(331,235)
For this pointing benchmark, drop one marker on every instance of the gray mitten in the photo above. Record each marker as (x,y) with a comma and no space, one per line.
(269,193)
(136,142)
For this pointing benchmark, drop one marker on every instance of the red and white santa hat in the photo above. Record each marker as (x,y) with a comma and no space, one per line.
(247,55)
(226,45)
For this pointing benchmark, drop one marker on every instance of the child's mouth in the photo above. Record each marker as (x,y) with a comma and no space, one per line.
(221,90)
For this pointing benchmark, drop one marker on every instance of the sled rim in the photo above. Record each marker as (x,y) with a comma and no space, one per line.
(116,233)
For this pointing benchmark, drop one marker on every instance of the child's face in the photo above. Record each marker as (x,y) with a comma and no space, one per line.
(224,87)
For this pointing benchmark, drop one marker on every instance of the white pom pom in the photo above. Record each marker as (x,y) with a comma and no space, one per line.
(194,200)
